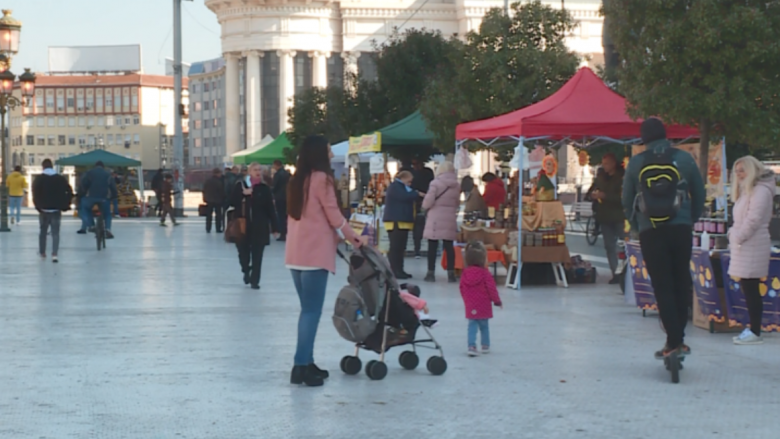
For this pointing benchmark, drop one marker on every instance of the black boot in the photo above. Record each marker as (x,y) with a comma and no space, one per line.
(323,373)
(246,279)
(430,277)
(451,278)
(306,375)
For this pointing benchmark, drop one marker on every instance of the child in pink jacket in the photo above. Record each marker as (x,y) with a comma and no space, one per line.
(479,292)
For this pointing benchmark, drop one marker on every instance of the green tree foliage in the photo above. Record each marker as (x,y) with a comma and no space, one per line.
(508,64)
(711,63)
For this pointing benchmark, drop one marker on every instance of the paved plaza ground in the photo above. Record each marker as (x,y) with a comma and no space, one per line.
(157,337)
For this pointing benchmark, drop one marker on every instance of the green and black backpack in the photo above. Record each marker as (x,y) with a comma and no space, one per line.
(661,187)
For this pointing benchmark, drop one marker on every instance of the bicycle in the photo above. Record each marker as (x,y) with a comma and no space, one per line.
(592,231)
(100,231)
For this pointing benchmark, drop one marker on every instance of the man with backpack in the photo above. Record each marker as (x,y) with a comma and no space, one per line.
(663,195)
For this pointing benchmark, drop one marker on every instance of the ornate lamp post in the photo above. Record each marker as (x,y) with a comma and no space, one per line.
(10,29)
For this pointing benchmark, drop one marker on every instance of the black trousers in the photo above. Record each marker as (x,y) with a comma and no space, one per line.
(158,209)
(281,215)
(214,210)
(433,248)
(755,304)
(250,255)
(417,234)
(667,254)
(397,250)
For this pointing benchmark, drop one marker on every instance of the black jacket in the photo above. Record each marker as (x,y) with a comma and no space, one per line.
(281,178)
(52,192)
(157,182)
(99,183)
(399,203)
(213,192)
(259,212)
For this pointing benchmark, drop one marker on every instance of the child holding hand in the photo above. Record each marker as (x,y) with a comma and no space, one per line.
(479,292)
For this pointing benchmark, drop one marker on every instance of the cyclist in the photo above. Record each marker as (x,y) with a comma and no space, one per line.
(98,187)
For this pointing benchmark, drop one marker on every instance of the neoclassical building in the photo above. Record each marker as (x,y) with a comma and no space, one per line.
(274,49)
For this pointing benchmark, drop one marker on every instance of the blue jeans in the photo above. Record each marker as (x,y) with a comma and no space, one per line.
(310,286)
(15,203)
(105,210)
(115,203)
(484,330)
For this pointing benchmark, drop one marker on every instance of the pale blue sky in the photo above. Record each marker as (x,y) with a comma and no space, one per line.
(104,22)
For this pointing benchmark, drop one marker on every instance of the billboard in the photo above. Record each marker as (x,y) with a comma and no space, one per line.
(95,59)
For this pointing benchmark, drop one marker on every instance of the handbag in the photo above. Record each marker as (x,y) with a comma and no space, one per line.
(236,227)
(424,212)
(203,210)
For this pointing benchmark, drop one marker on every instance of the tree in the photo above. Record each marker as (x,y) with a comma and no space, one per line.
(511,62)
(711,63)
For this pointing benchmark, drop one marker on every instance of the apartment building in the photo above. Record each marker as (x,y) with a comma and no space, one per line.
(207,114)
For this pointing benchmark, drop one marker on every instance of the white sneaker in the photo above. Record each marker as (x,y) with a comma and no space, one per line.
(54,259)
(747,338)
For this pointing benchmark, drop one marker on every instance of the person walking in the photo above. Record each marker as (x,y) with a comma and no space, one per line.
(316,226)
(253,201)
(214,197)
(157,187)
(441,205)
(17,186)
(479,293)
(167,194)
(474,203)
(229,182)
(608,193)
(495,192)
(400,200)
(752,192)
(281,180)
(52,195)
(663,195)
(422,177)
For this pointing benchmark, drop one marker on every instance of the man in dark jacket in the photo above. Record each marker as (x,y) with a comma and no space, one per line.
(229,181)
(157,182)
(167,200)
(423,177)
(608,193)
(99,188)
(52,195)
(214,197)
(398,218)
(281,179)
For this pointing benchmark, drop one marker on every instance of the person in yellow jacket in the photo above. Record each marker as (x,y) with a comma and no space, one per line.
(17,186)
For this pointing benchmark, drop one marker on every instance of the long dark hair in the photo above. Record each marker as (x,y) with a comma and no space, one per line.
(312,157)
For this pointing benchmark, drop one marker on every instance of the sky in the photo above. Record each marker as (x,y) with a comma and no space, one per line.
(113,22)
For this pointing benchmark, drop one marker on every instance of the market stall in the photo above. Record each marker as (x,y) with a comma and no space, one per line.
(265,155)
(239,158)
(128,202)
(567,115)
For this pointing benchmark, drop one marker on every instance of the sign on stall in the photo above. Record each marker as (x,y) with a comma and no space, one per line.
(376,164)
(365,143)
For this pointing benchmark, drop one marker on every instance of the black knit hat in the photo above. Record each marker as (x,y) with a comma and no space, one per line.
(652,129)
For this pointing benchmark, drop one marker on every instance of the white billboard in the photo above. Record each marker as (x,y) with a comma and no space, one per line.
(95,59)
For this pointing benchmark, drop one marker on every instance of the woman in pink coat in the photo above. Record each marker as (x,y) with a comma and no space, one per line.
(752,191)
(441,204)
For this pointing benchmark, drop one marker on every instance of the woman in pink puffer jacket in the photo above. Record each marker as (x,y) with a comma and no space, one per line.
(441,204)
(752,191)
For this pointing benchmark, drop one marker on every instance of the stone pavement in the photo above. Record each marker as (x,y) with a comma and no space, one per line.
(156,337)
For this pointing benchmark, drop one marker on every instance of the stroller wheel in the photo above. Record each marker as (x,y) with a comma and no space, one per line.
(437,365)
(409,360)
(351,365)
(376,370)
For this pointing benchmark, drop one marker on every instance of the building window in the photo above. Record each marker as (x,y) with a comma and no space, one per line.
(70,103)
(109,101)
(109,139)
(197,124)
(80,104)
(215,123)
(82,121)
(82,140)
(197,106)
(99,103)
(91,121)
(71,139)
(269,65)
(302,68)
(197,143)
(207,142)
(39,101)
(60,104)
(61,122)
(90,103)
(30,140)
(28,122)
(52,140)
(206,87)
(91,140)
(51,122)
(197,161)
(41,121)
(136,120)
(126,101)
(101,121)
(127,120)
(117,101)
(109,121)
(194,88)
(214,104)
(335,70)
(135,101)
(32,159)
(128,139)
(71,121)
(136,139)
(41,141)
(61,140)
(49,102)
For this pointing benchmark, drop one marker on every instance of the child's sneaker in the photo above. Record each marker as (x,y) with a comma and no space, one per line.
(473,352)
(485,350)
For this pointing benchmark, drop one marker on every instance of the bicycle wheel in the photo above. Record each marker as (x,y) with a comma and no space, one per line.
(591,234)
(99,232)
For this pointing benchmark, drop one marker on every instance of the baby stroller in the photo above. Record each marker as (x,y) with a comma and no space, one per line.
(370,312)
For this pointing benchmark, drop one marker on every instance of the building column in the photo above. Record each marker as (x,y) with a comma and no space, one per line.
(232,113)
(286,86)
(253,99)
(320,69)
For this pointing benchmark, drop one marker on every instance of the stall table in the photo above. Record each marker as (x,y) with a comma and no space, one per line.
(493,257)
(547,214)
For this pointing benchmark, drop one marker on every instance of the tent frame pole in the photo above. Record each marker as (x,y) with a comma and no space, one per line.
(519,155)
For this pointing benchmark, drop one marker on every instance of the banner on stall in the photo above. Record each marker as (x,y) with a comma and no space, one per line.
(705,286)
(643,290)
(365,143)
(769,288)
(376,164)
(716,165)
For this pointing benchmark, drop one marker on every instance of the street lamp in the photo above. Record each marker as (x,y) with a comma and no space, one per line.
(10,29)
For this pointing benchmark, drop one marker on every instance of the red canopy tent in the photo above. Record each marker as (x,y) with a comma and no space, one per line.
(583,108)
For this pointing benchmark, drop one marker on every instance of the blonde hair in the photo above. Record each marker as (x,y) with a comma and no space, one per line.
(445,167)
(753,171)
(403,175)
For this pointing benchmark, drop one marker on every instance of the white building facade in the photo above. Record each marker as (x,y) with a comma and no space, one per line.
(274,49)
(207,114)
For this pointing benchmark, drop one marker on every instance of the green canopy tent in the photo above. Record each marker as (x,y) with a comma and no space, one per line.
(267,154)
(409,131)
(109,159)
